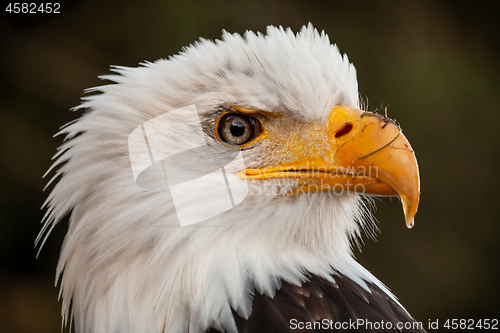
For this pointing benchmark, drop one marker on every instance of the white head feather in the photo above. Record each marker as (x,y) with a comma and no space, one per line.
(126,265)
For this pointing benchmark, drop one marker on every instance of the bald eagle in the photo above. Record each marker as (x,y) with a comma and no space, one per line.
(280,258)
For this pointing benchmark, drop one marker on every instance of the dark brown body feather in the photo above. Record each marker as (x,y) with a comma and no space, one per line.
(321,301)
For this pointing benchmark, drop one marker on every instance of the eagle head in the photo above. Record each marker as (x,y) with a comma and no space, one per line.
(286,106)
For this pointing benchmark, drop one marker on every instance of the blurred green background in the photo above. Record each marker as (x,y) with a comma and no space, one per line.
(435,62)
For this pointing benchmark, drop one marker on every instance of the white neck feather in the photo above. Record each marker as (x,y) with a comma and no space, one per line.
(130,268)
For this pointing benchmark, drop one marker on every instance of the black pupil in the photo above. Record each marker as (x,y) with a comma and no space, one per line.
(237,128)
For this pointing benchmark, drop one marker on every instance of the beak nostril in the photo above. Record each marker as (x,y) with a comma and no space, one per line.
(344,130)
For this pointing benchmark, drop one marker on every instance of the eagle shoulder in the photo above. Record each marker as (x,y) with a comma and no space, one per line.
(296,308)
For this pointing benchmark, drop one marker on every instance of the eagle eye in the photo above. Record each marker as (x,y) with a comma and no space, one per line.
(238,129)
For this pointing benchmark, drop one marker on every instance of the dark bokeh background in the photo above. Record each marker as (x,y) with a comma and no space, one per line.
(435,62)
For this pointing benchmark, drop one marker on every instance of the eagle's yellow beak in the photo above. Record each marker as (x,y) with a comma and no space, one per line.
(368,154)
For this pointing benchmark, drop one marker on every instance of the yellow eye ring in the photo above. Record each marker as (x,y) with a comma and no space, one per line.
(237,129)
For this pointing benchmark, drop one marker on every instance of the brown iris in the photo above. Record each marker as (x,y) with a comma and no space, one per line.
(238,129)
